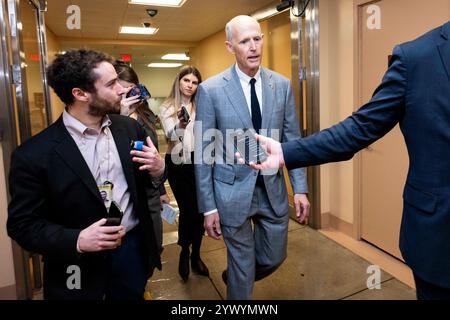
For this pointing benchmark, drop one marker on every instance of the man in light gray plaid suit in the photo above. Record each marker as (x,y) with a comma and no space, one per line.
(248,208)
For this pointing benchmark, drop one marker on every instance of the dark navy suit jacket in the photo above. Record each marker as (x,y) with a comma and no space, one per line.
(415,92)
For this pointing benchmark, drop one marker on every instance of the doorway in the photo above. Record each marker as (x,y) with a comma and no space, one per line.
(28,108)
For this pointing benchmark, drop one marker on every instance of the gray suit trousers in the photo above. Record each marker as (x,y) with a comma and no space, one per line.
(256,248)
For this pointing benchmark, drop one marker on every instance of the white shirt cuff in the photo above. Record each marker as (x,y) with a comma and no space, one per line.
(78,248)
(210,212)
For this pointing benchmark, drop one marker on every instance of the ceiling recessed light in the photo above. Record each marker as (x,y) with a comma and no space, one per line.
(164,65)
(138,30)
(175,56)
(162,3)
(265,14)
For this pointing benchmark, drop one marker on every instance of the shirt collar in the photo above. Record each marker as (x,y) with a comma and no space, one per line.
(74,125)
(245,78)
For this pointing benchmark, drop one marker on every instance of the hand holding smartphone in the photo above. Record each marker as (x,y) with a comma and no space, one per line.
(246,144)
(184,114)
(115,215)
(139,90)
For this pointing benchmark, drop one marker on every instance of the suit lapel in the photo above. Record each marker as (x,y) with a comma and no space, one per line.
(236,96)
(122,140)
(71,155)
(444,48)
(268,96)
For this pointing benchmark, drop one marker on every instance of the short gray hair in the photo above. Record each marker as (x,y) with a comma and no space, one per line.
(229,31)
(238,19)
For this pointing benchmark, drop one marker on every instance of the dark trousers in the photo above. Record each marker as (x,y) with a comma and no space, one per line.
(129,269)
(182,182)
(429,291)
(119,274)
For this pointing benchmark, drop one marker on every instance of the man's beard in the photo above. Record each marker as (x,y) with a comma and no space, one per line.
(100,107)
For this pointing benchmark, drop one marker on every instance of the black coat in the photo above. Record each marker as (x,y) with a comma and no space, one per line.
(54,196)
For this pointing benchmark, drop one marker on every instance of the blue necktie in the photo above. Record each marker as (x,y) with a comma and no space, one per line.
(256,111)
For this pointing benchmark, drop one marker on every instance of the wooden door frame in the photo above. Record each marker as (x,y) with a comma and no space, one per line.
(357,102)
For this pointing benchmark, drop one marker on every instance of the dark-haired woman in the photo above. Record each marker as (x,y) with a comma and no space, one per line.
(139,110)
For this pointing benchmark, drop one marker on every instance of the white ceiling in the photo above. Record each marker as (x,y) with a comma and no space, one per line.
(194,21)
(179,28)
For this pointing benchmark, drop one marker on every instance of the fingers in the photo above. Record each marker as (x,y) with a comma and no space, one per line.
(210,230)
(239,158)
(264,142)
(217,230)
(107,245)
(164,199)
(149,158)
(98,237)
(99,223)
(131,100)
(212,226)
(147,162)
(142,156)
(304,214)
(213,234)
(149,151)
(261,139)
(129,105)
(111,236)
(306,210)
(298,210)
(256,166)
(150,143)
(112,229)
(126,90)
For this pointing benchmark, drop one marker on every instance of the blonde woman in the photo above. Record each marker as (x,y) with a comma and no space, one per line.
(179,131)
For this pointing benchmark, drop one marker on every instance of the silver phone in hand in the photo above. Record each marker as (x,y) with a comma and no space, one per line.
(249,148)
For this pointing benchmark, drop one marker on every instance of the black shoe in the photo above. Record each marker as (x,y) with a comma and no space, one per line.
(224,276)
(198,266)
(183,265)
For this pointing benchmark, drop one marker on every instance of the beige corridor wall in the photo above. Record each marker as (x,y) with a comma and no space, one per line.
(277,44)
(336,100)
(212,57)
(157,80)
(7,280)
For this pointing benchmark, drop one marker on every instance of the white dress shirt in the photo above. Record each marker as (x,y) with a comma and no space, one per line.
(246,87)
(100,153)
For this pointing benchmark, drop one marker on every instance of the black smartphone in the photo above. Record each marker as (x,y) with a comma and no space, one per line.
(185,114)
(115,215)
(139,90)
(246,144)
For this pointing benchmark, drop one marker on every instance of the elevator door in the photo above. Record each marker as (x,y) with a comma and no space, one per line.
(385,163)
(30,108)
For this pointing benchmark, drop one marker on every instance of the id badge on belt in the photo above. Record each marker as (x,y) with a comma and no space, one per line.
(106,192)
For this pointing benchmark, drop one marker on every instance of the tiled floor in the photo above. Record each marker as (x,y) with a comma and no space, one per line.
(316,268)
